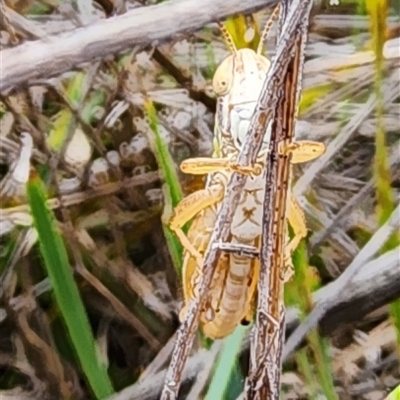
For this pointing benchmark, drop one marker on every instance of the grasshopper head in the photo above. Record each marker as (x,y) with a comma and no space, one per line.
(244,70)
(241,76)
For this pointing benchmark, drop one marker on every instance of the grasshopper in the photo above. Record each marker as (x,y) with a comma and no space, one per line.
(231,300)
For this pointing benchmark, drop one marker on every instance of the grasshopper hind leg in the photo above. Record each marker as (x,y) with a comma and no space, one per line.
(189,207)
(198,236)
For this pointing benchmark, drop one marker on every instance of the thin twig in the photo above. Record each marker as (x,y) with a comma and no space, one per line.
(149,388)
(56,54)
(317,239)
(265,362)
(367,252)
(391,91)
(183,80)
(79,197)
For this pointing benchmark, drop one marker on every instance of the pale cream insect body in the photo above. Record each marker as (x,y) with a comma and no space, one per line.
(232,295)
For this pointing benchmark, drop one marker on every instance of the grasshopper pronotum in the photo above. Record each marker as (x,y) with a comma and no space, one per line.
(231,298)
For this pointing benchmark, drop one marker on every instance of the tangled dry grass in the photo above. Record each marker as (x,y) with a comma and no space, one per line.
(107,195)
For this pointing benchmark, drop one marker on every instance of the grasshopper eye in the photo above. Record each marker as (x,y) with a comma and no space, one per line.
(223,76)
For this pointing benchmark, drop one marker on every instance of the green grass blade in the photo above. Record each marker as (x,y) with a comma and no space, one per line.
(225,364)
(385,197)
(172,188)
(174,247)
(305,367)
(314,366)
(244,31)
(377,10)
(395,317)
(395,394)
(309,96)
(64,122)
(164,159)
(66,292)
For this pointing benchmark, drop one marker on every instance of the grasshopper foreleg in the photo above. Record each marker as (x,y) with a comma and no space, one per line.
(302,151)
(207,165)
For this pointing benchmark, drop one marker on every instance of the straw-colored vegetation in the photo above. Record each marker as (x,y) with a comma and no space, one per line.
(90,273)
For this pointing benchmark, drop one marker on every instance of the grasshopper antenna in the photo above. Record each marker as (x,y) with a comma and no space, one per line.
(228,38)
(274,16)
